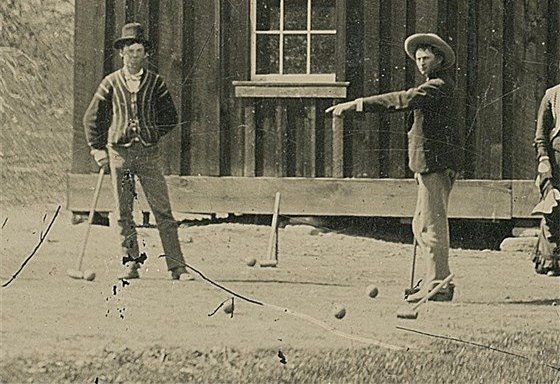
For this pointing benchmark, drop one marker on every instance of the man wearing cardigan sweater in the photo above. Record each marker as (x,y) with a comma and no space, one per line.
(128,115)
(432,147)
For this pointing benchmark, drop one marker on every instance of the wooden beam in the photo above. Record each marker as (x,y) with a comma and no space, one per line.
(337,146)
(235,52)
(327,144)
(257,89)
(89,60)
(236,138)
(526,83)
(281,137)
(459,32)
(308,140)
(250,137)
(524,197)
(426,16)
(266,116)
(473,199)
(489,123)
(553,43)
(397,72)
(341,40)
(204,76)
(170,48)
(116,15)
(365,129)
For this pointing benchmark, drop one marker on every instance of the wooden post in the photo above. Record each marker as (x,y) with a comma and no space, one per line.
(272,253)
(337,146)
(308,141)
(250,137)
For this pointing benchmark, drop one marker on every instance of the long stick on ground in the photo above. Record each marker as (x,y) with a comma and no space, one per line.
(478,345)
(41,240)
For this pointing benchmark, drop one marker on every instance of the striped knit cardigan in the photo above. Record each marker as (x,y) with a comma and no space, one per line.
(106,120)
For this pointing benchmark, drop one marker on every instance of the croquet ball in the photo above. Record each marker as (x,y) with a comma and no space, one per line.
(228,308)
(250,261)
(340,312)
(372,291)
(89,275)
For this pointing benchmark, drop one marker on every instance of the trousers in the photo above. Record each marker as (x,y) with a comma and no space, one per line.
(127,163)
(430,225)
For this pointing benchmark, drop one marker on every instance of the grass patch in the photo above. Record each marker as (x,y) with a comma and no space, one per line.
(445,361)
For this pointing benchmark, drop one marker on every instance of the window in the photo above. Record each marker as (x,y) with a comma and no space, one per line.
(293,40)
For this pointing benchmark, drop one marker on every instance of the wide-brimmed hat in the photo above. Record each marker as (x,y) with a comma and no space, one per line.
(131,32)
(413,41)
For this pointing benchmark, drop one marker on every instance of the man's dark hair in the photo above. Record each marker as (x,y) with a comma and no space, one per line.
(430,48)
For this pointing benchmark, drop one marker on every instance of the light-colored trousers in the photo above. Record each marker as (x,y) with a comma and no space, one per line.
(144,162)
(430,225)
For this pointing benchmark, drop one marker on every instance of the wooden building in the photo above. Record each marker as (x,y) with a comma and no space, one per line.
(252,78)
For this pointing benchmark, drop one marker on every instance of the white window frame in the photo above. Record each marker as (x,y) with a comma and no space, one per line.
(308,77)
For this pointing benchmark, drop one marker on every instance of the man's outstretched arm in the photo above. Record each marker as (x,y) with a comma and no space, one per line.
(424,95)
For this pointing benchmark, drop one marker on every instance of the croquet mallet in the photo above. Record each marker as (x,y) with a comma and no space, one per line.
(78,273)
(411,312)
(414,287)
(272,253)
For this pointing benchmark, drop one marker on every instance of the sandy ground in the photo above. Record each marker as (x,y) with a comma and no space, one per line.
(44,312)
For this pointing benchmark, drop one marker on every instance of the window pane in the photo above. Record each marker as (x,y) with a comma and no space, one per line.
(322,53)
(295,54)
(268,53)
(268,15)
(323,14)
(295,15)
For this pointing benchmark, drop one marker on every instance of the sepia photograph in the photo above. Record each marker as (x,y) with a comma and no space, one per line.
(280,191)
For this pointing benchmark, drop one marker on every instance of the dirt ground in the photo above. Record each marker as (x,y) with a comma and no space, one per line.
(58,329)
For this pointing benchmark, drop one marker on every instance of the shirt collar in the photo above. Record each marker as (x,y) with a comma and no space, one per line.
(129,76)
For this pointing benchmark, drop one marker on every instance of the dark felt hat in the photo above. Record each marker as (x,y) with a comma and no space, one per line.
(133,33)
(412,42)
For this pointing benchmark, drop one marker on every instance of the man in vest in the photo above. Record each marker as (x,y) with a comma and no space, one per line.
(432,150)
(128,115)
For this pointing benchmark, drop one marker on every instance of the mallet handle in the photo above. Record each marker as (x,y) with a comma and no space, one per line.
(432,293)
(412,270)
(272,253)
(91,213)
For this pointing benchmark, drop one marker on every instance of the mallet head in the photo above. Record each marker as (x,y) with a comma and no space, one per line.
(407,313)
(89,275)
(75,274)
(79,275)
(268,263)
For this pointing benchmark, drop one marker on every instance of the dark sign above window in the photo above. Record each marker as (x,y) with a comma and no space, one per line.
(293,40)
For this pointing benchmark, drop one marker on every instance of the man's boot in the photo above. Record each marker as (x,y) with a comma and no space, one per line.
(181,273)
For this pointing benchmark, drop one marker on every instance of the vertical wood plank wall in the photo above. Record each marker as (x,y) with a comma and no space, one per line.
(89,60)
(508,53)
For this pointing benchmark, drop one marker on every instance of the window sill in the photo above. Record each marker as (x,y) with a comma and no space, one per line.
(330,90)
